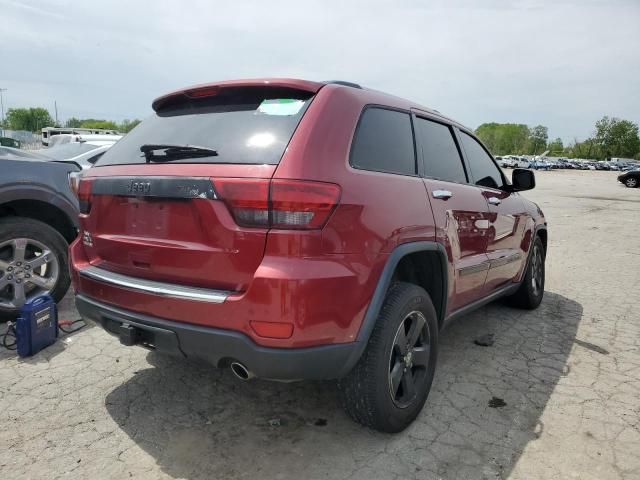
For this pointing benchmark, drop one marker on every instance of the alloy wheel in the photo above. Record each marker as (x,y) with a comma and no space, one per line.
(28,268)
(409,359)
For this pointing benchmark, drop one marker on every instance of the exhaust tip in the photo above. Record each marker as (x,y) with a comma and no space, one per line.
(240,371)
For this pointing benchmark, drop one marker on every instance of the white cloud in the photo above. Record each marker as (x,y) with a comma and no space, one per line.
(560,63)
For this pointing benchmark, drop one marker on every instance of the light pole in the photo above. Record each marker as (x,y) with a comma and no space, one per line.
(2,109)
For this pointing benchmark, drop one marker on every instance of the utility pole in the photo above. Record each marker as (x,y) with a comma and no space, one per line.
(55,105)
(2,108)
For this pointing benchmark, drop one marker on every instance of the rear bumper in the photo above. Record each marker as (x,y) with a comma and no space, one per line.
(307,293)
(219,347)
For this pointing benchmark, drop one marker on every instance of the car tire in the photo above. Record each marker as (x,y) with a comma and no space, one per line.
(531,290)
(40,233)
(631,182)
(388,387)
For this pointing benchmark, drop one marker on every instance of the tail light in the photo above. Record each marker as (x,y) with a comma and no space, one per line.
(84,195)
(285,204)
(247,200)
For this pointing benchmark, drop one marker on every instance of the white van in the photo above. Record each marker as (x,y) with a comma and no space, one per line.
(63,138)
(49,133)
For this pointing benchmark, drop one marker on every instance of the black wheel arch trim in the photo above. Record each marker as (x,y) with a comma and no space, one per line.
(536,230)
(44,194)
(369,321)
(379,294)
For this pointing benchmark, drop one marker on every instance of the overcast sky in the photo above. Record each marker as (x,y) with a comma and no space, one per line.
(559,63)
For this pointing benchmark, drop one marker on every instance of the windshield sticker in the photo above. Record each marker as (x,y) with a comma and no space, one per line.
(280,106)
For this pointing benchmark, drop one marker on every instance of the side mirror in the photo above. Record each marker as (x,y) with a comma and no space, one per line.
(522,179)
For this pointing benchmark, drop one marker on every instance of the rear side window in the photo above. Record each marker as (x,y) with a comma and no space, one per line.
(246,125)
(439,151)
(384,142)
(485,173)
(95,158)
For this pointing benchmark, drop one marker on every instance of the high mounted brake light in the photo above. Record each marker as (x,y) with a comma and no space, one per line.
(282,204)
(202,92)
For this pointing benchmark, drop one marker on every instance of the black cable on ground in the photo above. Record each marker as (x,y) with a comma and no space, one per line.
(6,336)
(71,323)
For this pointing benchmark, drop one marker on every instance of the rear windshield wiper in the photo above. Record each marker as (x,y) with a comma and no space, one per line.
(174,152)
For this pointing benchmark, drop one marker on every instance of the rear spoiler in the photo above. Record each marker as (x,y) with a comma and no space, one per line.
(207,89)
(66,162)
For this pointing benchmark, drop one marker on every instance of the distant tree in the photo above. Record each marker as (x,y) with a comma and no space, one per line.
(73,123)
(503,138)
(556,148)
(579,149)
(93,123)
(30,119)
(538,137)
(616,138)
(127,125)
(487,133)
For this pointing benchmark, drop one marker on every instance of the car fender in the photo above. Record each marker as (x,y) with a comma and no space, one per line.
(379,294)
(34,191)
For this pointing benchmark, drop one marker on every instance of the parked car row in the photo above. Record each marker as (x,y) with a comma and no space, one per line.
(512,161)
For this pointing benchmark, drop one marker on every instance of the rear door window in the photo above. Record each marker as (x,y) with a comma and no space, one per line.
(383,142)
(439,151)
(484,171)
(246,125)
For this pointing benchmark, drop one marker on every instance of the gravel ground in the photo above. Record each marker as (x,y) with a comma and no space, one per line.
(557,395)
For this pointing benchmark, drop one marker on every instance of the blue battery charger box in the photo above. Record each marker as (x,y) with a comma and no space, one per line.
(37,325)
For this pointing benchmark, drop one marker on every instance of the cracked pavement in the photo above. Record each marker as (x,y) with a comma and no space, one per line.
(568,375)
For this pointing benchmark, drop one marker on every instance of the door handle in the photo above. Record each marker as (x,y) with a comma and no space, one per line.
(442,194)
(494,201)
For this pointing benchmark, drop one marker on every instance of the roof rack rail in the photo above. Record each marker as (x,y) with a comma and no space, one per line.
(342,82)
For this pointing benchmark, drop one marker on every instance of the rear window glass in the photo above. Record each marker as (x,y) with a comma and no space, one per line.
(384,142)
(243,125)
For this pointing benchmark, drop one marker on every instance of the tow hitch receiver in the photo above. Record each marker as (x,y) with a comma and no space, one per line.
(128,335)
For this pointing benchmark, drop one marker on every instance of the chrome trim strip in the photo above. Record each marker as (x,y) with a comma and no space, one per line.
(155,288)
(499,262)
(481,267)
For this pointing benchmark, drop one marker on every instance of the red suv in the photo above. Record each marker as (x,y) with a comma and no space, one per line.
(292,230)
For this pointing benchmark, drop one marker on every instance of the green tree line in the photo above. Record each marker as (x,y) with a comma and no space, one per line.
(35,119)
(612,137)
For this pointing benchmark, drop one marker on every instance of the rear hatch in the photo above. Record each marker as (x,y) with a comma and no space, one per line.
(186,196)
